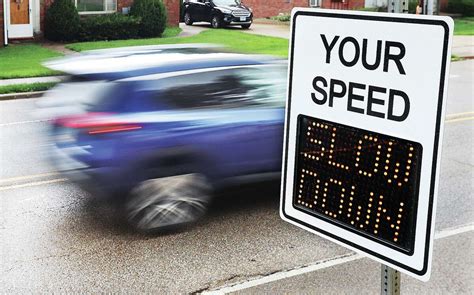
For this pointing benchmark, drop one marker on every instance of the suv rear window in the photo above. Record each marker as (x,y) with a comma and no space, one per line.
(80,92)
(95,95)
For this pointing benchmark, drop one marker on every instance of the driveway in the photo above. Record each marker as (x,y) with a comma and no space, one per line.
(195,29)
(282,31)
(273,30)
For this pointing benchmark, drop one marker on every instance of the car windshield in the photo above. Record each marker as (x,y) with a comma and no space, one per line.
(227,2)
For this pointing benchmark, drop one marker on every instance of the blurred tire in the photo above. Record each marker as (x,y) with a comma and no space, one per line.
(162,203)
(188,19)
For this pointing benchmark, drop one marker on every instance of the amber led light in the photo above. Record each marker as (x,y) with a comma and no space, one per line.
(365,181)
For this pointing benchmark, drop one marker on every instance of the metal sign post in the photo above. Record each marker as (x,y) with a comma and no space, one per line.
(390,284)
(390,281)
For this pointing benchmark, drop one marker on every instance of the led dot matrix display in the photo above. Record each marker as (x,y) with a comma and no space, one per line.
(365,181)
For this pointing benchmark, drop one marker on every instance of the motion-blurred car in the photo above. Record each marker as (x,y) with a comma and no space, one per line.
(166,126)
(218,12)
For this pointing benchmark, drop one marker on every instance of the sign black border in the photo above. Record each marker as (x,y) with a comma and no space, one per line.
(436,137)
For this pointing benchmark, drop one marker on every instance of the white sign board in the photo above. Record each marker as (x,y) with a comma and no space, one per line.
(363,131)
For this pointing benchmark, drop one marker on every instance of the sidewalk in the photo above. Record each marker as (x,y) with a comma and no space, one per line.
(6,82)
(463,46)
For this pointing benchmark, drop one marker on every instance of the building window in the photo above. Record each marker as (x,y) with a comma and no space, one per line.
(96,6)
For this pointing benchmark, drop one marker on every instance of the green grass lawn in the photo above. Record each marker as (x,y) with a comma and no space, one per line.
(464,26)
(24,60)
(171,32)
(18,88)
(236,40)
(18,61)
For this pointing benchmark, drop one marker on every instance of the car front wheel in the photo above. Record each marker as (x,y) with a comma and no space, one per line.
(216,22)
(187,19)
(167,202)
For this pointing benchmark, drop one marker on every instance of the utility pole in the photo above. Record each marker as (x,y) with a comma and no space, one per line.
(431,7)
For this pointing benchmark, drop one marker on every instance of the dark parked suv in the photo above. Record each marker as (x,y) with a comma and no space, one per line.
(218,12)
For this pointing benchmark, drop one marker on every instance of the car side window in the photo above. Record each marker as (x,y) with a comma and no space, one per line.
(232,88)
(267,85)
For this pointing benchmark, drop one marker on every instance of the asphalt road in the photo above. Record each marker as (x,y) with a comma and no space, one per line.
(55,238)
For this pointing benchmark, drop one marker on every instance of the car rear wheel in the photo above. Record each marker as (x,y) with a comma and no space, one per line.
(187,19)
(166,202)
(216,22)
(246,26)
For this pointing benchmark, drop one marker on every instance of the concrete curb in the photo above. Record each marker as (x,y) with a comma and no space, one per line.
(266,21)
(21,95)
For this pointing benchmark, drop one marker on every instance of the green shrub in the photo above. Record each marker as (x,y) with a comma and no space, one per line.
(109,27)
(61,21)
(412,4)
(282,17)
(153,17)
(464,7)
(370,9)
(374,9)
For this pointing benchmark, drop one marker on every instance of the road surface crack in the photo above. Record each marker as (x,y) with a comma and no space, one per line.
(17,263)
(462,163)
(210,286)
(240,279)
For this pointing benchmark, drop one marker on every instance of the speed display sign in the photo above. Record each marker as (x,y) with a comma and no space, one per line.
(379,200)
(364,123)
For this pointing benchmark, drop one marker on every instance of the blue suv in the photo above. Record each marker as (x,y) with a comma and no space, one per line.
(166,126)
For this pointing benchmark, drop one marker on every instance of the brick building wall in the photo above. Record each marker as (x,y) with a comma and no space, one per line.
(2,29)
(269,8)
(123,3)
(338,4)
(172,7)
(44,4)
(443,4)
(262,8)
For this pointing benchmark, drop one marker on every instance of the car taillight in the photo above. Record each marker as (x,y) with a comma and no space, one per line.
(96,123)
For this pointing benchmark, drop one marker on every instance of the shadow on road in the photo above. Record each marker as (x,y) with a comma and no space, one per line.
(248,197)
(107,218)
(208,26)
